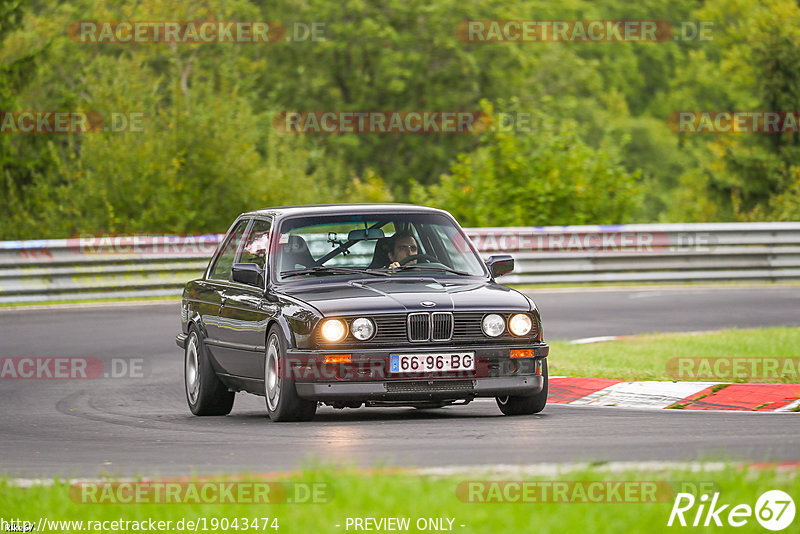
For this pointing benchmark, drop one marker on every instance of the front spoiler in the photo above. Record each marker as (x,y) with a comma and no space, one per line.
(439,389)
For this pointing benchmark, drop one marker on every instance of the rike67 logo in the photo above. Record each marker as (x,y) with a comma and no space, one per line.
(774,510)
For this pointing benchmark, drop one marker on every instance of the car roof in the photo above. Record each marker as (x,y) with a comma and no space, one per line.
(336,209)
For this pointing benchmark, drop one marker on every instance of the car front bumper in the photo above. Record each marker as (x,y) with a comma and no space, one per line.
(367,378)
(420,389)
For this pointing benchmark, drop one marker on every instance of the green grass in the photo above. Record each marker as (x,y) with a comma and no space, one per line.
(392,494)
(645,357)
(87,301)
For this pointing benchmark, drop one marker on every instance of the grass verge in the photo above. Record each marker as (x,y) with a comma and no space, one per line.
(61,302)
(582,505)
(646,357)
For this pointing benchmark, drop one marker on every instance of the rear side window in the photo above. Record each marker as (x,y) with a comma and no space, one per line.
(224,262)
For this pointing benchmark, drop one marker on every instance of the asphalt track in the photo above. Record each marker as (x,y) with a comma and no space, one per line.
(142,425)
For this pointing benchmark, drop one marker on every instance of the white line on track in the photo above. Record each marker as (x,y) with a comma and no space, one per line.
(544,469)
(597,339)
(554,469)
(789,407)
(647,394)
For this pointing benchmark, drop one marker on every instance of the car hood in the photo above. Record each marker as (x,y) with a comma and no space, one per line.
(404,295)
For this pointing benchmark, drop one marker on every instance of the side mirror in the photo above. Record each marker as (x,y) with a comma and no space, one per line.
(500,264)
(249,274)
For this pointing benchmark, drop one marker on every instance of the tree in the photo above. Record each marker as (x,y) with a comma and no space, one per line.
(546,177)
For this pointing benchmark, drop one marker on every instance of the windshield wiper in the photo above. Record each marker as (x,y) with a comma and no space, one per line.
(324,269)
(431,268)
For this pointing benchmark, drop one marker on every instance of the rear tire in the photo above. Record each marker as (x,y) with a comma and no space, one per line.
(283,403)
(525,405)
(205,393)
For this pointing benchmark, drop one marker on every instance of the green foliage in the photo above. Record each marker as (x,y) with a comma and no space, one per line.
(547,176)
(22,161)
(752,64)
(204,153)
(601,151)
(474,497)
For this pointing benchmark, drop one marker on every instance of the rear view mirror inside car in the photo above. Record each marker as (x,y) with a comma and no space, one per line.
(368,233)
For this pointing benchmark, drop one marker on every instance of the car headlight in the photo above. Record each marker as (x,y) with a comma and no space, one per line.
(493,325)
(520,324)
(333,330)
(362,328)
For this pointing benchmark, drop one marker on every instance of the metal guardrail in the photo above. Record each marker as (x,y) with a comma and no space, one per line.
(141,266)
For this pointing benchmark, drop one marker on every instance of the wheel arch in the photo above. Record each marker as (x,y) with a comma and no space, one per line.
(194,319)
(281,322)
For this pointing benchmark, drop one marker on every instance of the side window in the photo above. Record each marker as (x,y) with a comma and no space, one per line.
(224,263)
(256,244)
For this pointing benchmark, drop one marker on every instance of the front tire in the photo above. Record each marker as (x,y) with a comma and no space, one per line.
(205,393)
(283,403)
(525,405)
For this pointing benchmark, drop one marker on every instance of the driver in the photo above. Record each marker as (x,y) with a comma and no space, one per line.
(402,246)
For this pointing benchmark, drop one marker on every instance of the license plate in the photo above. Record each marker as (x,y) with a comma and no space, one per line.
(449,361)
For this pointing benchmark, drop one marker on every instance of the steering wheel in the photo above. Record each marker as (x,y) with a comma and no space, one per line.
(427,257)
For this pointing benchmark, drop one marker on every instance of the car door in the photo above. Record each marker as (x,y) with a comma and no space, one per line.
(246,311)
(217,283)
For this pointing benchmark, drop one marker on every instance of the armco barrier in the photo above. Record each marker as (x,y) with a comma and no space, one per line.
(141,266)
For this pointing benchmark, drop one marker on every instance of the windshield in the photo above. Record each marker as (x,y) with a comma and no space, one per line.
(373,244)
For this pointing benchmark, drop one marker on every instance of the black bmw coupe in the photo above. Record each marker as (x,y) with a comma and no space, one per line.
(357,304)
